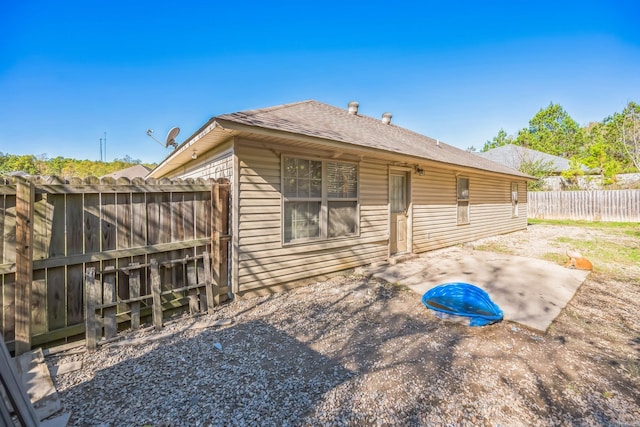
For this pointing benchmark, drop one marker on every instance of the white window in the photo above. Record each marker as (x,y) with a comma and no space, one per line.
(463,201)
(514,199)
(320,199)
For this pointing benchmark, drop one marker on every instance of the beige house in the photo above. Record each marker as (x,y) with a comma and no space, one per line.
(318,189)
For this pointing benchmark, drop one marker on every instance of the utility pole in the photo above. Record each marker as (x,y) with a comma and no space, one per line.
(105,146)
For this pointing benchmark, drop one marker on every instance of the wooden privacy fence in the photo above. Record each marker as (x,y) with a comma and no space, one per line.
(53,231)
(597,205)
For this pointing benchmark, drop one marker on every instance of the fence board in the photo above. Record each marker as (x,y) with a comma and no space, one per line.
(39,303)
(56,298)
(109,296)
(164,235)
(57,245)
(134,292)
(91,223)
(108,223)
(9,306)
(594,205)
(41,227)
(139,220)
(188,216)
(153,218)
(122,289)
(3,199)
(123,215)
(75,297)
(74,224)
(9,229)
(192,279)
(202,207)
(93,296)
(155,291)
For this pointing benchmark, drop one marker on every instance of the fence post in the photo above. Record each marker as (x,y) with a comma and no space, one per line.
(194,305)
(24,265)
(224,230)
(134,292)
(208,282)
(216,219)
(154,271)
(92,300)
(109,297)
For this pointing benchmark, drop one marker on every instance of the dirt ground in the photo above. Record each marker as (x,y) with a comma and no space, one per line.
(356,351)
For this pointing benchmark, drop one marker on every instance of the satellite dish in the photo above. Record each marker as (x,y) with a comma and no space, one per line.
(171,137)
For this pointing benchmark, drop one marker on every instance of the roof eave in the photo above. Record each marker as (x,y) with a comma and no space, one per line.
(183,153)
(259,130)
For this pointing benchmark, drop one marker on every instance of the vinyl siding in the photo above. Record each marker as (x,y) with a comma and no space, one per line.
(435,209)
(260,258)
(214,164)
(265,261)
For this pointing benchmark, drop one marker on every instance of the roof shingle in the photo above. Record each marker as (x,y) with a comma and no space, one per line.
(316,119)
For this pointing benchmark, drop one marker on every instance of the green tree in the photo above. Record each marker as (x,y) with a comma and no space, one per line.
(55,166)
(628,124)
(498,141)
(538,168)
(574,172)
(128,160)
(14,163)
(598,154)
(63,167)
(552,131)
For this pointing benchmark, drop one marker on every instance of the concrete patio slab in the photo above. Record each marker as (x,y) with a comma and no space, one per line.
(529,291)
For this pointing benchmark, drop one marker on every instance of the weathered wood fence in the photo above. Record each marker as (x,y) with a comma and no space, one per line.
(52,231)
(597,205)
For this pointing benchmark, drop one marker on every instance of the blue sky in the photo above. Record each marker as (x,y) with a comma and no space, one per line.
(456,71)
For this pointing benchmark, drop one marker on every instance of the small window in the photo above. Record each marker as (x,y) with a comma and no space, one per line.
(514,199)
(463,201)
(398,193)
(320,199)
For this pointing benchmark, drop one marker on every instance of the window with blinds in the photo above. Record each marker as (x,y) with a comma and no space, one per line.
(320,199)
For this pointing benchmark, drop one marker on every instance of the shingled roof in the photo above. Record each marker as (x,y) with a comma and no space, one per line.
(316,119)
(514,155)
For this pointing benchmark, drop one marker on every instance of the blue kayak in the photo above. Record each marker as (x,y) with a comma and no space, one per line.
(463,299)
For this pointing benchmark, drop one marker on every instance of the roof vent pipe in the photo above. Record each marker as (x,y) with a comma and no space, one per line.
(353,107)
(386,118)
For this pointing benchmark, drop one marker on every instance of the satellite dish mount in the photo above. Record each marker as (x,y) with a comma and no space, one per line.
(171,138)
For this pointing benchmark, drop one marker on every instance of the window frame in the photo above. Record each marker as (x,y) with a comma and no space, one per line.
(460,200)
(324,200)
(514,200)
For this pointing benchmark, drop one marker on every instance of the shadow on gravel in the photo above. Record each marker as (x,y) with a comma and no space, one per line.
(395,358)
(261,376)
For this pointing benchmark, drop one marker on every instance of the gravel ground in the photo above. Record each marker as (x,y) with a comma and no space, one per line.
(355,351)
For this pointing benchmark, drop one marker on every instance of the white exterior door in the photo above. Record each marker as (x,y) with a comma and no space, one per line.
(398,206)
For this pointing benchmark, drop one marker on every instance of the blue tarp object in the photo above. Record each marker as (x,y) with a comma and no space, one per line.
(463,299)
